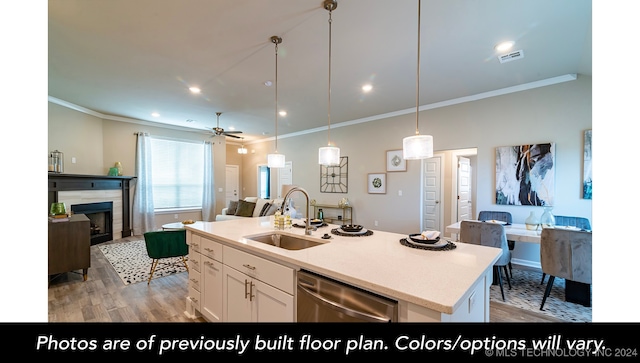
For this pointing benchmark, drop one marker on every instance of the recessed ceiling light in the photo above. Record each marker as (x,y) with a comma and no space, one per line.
(155,114)
(268,83)
(504,46)
(194,89)
(367,87)
(282,113)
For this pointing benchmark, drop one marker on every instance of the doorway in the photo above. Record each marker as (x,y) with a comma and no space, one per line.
(264,181)
(232,183)
(440,178)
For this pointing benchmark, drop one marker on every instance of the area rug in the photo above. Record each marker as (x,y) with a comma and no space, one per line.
(527,293)
(131,262)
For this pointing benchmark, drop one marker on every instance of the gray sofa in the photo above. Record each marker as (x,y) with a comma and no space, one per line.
(249,207)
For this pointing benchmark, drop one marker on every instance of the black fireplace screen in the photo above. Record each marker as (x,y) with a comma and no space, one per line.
(100,217)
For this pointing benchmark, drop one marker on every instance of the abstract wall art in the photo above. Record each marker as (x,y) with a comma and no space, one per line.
(525,174)
(586,179)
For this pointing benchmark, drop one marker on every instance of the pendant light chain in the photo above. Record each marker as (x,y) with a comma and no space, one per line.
(329,93)
(418,73)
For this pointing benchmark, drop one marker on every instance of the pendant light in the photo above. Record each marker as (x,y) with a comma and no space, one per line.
(242,150)
(417,146)
(276,160)
(329,155)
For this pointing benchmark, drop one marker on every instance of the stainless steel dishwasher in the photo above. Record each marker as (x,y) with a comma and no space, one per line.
(321,299)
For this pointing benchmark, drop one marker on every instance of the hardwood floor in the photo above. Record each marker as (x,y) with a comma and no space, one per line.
(104,298)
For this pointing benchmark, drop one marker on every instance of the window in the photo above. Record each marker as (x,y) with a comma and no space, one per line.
(177,173)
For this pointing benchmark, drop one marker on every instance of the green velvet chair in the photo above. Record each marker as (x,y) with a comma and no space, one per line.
(164,245)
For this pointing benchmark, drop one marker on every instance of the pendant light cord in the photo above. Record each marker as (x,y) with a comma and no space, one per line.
(276,40)
(329,93)
(418,74)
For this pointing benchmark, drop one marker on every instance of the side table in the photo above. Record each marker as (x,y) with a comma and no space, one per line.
(69,245)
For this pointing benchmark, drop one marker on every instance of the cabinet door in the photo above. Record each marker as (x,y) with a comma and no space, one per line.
(236,306)
(212,286)
(270,304)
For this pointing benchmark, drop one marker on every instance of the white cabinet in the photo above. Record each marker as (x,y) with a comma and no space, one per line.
(229,285)
(256,289)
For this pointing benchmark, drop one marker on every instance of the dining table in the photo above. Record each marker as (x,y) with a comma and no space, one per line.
(515,232)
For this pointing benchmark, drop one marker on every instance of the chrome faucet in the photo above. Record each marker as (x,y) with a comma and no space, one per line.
(308,228)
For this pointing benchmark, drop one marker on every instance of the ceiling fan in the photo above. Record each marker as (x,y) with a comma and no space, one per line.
(217,131)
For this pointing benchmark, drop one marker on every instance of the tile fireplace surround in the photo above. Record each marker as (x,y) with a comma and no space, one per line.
(78,189)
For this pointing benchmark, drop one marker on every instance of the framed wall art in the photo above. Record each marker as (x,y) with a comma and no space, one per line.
(334,179)
(395,162)
(525,174)
(377,183)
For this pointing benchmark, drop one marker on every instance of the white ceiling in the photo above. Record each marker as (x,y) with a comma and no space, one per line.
(125,59)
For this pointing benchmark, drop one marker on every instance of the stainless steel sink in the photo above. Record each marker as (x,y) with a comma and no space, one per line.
(285,241)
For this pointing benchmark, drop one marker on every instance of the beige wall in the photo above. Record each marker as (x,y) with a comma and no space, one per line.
(558,113)
(98,143)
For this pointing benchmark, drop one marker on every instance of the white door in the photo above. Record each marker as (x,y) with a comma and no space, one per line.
(285,176)
(464,188)
(432,194)
(232,183)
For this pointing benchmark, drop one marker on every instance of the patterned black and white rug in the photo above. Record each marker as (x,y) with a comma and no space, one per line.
(527,293)
(131,262)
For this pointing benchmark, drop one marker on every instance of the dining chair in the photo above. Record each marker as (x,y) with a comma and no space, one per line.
(565,254)
(487,215)
(580,222)
(490,235)
(166,244)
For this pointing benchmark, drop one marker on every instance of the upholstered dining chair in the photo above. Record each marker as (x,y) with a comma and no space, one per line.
(166,244)
(565,254)
(491,235)
(488,215)
(580,222)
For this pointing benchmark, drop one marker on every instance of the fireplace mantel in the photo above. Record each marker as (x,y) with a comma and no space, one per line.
(70,182)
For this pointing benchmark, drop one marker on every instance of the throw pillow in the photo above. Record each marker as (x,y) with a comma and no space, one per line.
(245,209)
(260,203)
(233,206)
(272,209)
(265,209)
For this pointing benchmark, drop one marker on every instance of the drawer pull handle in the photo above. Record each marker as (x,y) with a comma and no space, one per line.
(249,266)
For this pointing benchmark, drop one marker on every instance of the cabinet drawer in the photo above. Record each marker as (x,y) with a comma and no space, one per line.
(194,241)
(194,261)
(211,248)
(194,279)
(194,296)
(272,273)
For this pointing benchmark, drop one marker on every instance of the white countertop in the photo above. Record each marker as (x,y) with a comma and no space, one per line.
(437,280)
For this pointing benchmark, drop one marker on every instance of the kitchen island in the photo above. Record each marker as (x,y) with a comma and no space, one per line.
(430,286)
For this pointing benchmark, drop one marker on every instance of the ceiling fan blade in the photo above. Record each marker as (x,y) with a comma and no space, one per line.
(232,132)
(234,136)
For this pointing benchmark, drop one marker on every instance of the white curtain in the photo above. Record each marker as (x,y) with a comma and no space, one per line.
(143,211)
(208,192)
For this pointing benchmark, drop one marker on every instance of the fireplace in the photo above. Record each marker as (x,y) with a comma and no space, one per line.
(101,220)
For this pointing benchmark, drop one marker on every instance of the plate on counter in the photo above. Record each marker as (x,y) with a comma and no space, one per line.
(416,238)
(361,231)
(313,222)
(441,242)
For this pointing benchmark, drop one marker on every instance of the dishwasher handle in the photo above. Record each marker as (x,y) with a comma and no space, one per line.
(344,309)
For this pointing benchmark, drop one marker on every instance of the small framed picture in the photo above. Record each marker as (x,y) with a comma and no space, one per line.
(377,183)
(395,162)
